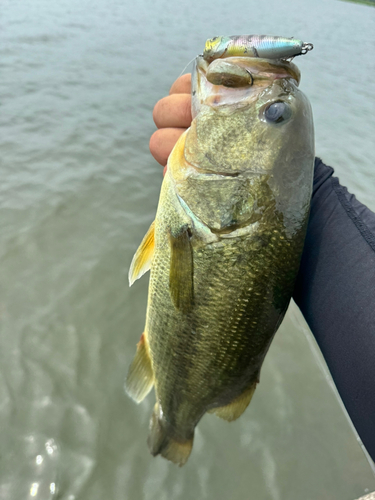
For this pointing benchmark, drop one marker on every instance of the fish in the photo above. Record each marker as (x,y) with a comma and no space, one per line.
(263,46)
(225,246)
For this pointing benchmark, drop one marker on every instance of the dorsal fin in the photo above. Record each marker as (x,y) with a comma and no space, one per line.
(181,271)
(142,259)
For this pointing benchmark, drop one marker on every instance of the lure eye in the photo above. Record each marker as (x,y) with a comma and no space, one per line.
(277,112)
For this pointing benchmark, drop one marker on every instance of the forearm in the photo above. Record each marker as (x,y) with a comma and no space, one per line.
(335,291)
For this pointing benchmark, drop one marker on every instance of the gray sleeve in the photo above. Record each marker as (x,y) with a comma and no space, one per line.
(335,291)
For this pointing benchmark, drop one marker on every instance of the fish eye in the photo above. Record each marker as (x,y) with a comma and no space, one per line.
(277,112)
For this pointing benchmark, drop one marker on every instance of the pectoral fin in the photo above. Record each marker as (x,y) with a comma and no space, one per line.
(140,377)
(181,271)
(142,259)
(236,407)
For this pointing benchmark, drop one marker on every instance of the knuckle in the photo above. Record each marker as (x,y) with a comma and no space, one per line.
(156,113)
(161,112)
(154,143)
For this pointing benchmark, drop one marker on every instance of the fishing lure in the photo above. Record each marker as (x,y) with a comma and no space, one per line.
(264,46)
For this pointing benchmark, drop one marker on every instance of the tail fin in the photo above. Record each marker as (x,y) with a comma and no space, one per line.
(161,442)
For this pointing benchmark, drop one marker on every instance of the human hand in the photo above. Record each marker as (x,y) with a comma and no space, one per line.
(172,116)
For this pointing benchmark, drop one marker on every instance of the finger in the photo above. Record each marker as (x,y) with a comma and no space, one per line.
(162,142)
(173,111)
(182,85)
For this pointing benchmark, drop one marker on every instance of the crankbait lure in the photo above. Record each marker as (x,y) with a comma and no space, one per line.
(264,46)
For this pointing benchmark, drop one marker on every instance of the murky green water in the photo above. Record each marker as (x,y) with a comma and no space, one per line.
(78,189)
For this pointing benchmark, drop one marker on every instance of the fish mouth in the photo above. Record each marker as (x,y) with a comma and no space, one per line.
(214,172)
(217,173)
(236,80)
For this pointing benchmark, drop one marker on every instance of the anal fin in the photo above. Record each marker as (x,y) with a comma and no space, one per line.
(181,271)
(142,259)
(235,409)
(140,377)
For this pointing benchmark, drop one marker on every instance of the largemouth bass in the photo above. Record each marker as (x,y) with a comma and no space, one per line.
(225,247)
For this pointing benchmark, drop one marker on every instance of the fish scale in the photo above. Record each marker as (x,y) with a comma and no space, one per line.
(223,252)
(216,308)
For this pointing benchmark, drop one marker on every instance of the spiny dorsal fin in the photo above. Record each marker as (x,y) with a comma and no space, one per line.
(140,377)
(236,407)
(181,271)
(142,259)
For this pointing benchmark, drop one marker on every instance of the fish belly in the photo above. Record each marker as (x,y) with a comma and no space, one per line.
(207,357)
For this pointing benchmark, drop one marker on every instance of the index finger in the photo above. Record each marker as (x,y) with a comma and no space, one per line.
(182,85)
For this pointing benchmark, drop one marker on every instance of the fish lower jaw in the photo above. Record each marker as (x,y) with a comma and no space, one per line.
(211,173)
(241,231)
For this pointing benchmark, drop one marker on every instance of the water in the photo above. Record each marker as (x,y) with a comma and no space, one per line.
(78,189)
